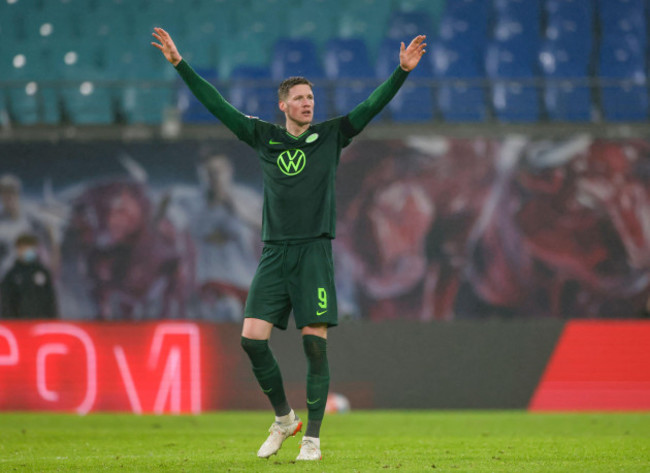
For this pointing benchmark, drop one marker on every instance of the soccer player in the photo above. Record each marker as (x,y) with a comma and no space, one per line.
(299,162)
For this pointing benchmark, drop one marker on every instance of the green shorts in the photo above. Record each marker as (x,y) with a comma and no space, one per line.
(294,275)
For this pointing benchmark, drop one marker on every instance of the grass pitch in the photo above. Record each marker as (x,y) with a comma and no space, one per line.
(404,441)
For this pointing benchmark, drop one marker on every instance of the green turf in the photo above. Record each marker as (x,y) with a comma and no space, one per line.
(453,441)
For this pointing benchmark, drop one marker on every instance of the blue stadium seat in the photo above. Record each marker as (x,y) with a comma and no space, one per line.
(520,9)
(459,67)
(512,68)
(628,100)
(193,111)
(523,14)
(347,62)
(517,36)
(476,12)
(570,33)
(575,10)
(347,57)
(295,57)
(567,94)
(415,101)
(627,18)
(462,26)
(252,92)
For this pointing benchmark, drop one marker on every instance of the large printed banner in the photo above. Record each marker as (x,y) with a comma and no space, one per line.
(165,367)
(428,227)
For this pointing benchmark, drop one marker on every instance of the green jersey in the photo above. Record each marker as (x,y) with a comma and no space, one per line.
(298,171)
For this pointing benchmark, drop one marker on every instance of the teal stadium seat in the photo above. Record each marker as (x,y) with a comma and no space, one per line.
(12,24)
(434,8)
(366,19)
(147,104)
(25,66)
(87,104)
(247,48)
(315,20)
(4,110)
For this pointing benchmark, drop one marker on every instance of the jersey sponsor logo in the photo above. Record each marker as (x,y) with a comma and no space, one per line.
(273,142)
(322,301)
(311,138)
(292,161)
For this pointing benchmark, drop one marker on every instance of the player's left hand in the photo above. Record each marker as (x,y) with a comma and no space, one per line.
(410,56)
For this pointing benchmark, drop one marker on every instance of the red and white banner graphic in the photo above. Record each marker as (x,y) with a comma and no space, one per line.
(158,367)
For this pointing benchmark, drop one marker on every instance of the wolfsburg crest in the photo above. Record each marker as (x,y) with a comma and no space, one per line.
(292,161)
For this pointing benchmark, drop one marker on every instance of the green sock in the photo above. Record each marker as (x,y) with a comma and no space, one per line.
(318,381)
(267,372)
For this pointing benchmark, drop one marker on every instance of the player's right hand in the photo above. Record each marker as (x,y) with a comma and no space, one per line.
(166,45)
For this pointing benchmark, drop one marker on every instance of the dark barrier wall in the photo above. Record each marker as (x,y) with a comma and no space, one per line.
(429,228)
(181,366)
(490,364)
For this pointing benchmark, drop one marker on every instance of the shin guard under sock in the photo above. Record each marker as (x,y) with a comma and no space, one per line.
(267,373)
(318,381)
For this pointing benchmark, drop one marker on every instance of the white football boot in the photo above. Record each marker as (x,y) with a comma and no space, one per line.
(309,449)
(279,432)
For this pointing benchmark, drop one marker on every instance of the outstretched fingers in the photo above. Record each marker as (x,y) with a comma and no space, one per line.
(418,45)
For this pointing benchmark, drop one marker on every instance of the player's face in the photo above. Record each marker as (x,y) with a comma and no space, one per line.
(299,105)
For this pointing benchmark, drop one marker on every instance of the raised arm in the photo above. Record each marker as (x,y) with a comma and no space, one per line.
(409,57)
(205,92)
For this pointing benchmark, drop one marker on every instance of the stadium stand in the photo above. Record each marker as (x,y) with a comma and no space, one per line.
(509,60)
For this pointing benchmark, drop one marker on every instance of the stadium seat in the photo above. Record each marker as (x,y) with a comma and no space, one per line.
(415,101)
(247,48)
(347,62)
(31,104)
(459,68)
(295,57)
(12,24)
(147,103)
(623,18)
(434,9)
(24,105)
(462,26)
(193,111)
(512,69)
(403,26)
(567,94)
(628,99)
(315,20)
(570,34)
(367,19)
(252,92)
(4,110)
(347,58)
(88,104)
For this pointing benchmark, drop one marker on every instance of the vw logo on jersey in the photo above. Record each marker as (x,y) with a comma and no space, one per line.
(292,161)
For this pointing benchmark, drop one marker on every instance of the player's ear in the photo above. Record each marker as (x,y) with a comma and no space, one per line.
(282,105)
